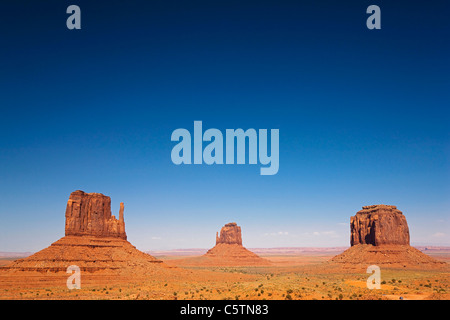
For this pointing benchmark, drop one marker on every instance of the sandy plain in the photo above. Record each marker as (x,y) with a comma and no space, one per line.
(293,275)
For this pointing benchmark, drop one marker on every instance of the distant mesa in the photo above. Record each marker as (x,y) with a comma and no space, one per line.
(229,251)
(94,241)
(379,235)
(229,234)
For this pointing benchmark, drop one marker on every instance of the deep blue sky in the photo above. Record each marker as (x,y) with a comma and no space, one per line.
(363,117)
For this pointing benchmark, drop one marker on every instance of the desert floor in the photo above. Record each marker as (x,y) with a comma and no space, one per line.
(305,276)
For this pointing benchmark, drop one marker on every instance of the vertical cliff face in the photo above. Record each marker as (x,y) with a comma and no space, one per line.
(379,225)
(229,251)
(380,236)
(230,234)
(90,214)
(95,241)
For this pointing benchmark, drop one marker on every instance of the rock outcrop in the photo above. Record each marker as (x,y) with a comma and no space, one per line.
(361,256)
(379,225)
(229,251)
(379,235)
(90,254)
(95,241)
(89,214)
(229,234)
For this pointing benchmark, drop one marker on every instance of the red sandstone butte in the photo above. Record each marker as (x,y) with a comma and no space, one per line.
(380,236)
(89,214)
(229,234)
(379,225)
(229,251)
(94,241)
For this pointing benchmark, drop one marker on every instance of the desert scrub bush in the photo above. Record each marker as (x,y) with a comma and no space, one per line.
(288,297)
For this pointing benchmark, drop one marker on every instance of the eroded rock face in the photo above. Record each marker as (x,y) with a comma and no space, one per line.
(229,234)
(229,251)
(89,214)
(379,225)
(95,241)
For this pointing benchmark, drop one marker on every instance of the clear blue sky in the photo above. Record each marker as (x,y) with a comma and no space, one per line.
(363,117)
